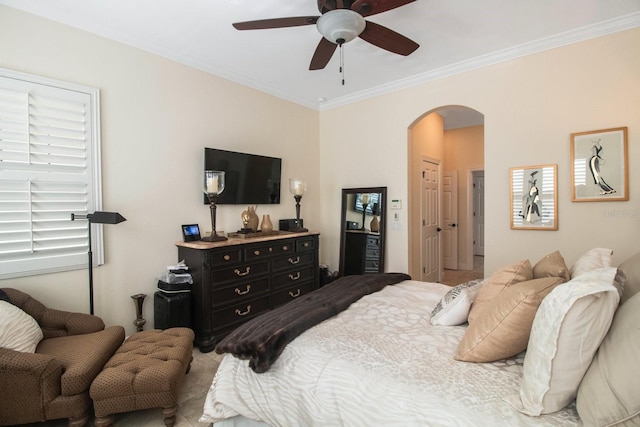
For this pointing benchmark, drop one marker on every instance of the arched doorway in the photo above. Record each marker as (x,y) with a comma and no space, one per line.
(446,154)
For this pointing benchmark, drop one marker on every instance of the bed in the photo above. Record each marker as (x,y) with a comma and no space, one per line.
(381,361)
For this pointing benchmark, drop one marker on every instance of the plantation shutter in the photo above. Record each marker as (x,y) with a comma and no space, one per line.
(49,168)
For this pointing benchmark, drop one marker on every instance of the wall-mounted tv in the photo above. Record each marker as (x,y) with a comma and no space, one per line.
(250,179)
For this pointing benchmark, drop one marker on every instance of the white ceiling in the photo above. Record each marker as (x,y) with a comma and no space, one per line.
(454,36)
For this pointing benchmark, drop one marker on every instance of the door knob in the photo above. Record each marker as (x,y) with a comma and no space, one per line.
(438,229)
(453,225)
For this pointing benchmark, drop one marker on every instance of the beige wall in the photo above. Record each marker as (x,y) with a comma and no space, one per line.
(531,106)
(157,116)
(464,153)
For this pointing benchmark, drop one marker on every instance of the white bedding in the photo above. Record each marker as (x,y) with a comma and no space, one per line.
(380,362)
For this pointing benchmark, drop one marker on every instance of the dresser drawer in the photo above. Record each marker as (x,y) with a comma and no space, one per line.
(220,258)
(267,250)
(239,291)
(373,241)
(283,296)
(239,312)
(292,277)
(292,261)
(305,244)
(371,266)
(372,252)
(244,272)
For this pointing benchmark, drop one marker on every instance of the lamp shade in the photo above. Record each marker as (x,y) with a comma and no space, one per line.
(341,25)
(100,217)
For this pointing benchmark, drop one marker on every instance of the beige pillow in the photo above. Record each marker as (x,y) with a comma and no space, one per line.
(502,329)
(551,265)
(609,393)
(631,270)
(568,328)
(498,282)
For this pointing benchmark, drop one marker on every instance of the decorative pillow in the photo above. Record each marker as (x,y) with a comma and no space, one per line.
(609,393)
(568,328)
(499,281)
(454,306)
(631,269)
(551,265)
(502,329)
(595,258)
(18,330)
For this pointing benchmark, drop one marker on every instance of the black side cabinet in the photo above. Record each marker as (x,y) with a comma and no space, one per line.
(362,252)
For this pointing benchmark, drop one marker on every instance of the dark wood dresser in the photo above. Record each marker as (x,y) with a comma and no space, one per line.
(362,252)
(237,279)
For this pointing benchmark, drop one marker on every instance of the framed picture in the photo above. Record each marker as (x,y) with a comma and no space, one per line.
(599,166)
(534,197)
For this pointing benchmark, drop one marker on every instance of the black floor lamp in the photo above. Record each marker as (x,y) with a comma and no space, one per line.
(97,217)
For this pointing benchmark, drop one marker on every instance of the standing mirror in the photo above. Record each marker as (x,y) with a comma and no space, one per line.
(362,230)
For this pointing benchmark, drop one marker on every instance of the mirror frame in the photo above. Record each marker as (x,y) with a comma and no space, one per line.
(383,222)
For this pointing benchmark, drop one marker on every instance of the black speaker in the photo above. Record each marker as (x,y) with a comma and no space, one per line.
(290,224)
(172,310)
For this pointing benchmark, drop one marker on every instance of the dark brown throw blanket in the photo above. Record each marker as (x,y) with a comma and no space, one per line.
(262,339)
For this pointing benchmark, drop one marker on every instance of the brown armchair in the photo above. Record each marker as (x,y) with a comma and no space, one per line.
(54,381)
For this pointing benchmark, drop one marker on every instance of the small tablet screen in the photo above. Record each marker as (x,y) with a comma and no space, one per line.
(190,232)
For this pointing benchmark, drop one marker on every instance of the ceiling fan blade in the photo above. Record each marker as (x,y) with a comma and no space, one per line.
(373,7)
(322,55)
(388,39)
(262,24)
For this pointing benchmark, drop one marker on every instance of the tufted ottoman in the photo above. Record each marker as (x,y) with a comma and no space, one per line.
(145,372)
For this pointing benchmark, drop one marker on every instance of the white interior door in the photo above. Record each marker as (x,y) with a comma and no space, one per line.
(430,230)
(450,220)
(478,213)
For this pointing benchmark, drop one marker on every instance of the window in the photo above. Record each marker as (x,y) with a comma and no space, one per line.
(49,169)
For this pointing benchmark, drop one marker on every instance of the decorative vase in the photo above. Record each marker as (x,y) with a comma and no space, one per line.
(374,226)
(253,219)
(138,299)
(267,225)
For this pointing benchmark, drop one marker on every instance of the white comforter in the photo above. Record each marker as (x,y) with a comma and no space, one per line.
(380,362)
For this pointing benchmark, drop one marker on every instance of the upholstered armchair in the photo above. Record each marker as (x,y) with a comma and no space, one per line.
(53,382)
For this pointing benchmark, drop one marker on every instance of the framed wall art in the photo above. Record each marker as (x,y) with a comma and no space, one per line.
(599,166)
(534,197)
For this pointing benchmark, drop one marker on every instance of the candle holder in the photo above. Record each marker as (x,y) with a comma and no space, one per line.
(213,186)
(365,203)
(297,187)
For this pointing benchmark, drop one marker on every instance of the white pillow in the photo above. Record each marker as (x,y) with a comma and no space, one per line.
(595,258)
(453,308)
(18,330)
(568,328)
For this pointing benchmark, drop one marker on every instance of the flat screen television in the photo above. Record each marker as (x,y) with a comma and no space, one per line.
(250,179)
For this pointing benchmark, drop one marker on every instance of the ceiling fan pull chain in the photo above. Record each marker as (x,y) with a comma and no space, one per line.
(342,63)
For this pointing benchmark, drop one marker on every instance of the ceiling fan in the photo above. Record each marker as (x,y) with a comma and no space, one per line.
(342,21)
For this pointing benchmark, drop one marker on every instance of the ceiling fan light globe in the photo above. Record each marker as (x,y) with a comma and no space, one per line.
(340,24)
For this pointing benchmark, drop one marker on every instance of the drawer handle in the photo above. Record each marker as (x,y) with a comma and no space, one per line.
(375,264)
(227,257)
(256,252)
(296,277)
(296,295)
(243,313)
(306,244)
(285,248)
(294,261)
(239,292)
(240,273)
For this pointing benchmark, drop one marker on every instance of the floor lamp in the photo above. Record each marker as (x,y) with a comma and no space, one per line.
(97,217)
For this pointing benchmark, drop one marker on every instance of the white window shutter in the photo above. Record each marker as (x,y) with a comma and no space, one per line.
(49,169)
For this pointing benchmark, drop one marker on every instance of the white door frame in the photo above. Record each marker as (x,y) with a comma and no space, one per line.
(469,237)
